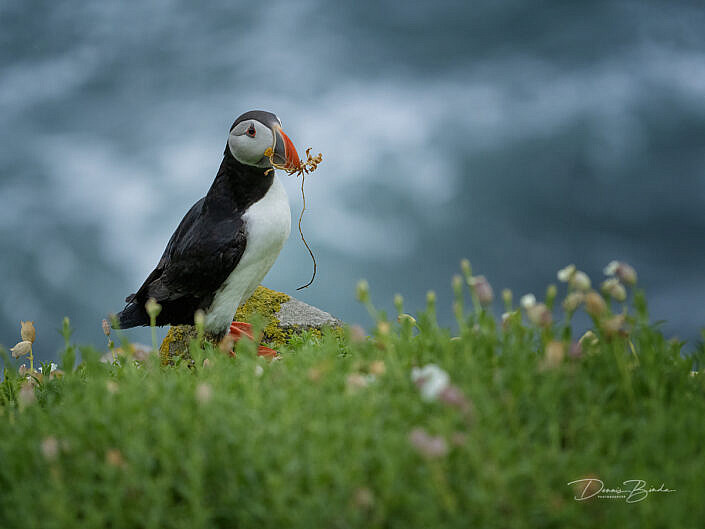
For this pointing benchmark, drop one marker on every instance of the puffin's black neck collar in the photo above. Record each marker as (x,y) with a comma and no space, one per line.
(237,186)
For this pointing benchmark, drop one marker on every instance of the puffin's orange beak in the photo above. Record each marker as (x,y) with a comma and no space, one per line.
(285,153)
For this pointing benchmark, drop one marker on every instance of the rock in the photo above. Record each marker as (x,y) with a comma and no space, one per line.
(283,316)
(295,314)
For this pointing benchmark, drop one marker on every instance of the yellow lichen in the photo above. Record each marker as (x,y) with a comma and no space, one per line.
(176,342)
(264,302)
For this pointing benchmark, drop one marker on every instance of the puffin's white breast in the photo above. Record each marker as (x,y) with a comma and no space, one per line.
(267,226)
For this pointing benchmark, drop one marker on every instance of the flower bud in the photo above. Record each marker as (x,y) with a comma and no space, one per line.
(539,315)
(551,293)
(553,356)
(199,318)
(431,297)
(152,307)
(595,306)
(28,333)
(613,325)
(362,291)
(383,328)
(399,303)
(507,298)
(572,301)
(580,281)
(507,318)
(482,289)
(457,284)
(627,274)
(588,338)
(466,268)
(613,288)
(406,317)
(21,349)
(565,274)
(106,328)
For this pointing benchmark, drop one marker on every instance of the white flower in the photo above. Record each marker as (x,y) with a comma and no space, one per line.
(623,271)
(611,268)
(580,281)
(259,370)
(613,288)
(431,380)
(527,301)
(564,274)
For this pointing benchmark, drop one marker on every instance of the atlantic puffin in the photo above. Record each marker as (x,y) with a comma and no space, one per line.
(229,239)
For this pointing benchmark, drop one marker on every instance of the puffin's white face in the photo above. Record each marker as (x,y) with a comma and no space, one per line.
(248,140)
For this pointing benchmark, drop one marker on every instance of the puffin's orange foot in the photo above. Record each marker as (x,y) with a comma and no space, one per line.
(238,329)
(266,351)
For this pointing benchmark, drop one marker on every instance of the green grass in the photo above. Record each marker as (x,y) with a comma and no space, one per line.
(336,434)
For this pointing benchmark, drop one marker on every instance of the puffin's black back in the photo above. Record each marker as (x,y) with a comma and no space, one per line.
(205,248)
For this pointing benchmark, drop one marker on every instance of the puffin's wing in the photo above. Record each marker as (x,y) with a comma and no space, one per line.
(184,226)
(201,254)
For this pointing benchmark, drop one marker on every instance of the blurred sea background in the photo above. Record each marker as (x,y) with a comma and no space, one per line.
(522,135)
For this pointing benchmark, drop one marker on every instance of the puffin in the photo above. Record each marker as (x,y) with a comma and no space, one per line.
(228,240)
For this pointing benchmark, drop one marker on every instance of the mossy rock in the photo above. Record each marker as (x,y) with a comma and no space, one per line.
(283,316)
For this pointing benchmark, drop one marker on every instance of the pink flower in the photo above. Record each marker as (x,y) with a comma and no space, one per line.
(429,446)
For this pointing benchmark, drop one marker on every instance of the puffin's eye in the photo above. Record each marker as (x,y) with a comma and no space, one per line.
(251,131)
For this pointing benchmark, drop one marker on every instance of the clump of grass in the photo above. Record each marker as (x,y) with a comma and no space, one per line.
(413,426)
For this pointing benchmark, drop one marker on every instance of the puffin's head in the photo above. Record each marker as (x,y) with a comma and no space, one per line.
(256,131)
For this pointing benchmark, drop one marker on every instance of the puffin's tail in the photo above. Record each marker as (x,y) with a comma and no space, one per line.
(133,315)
